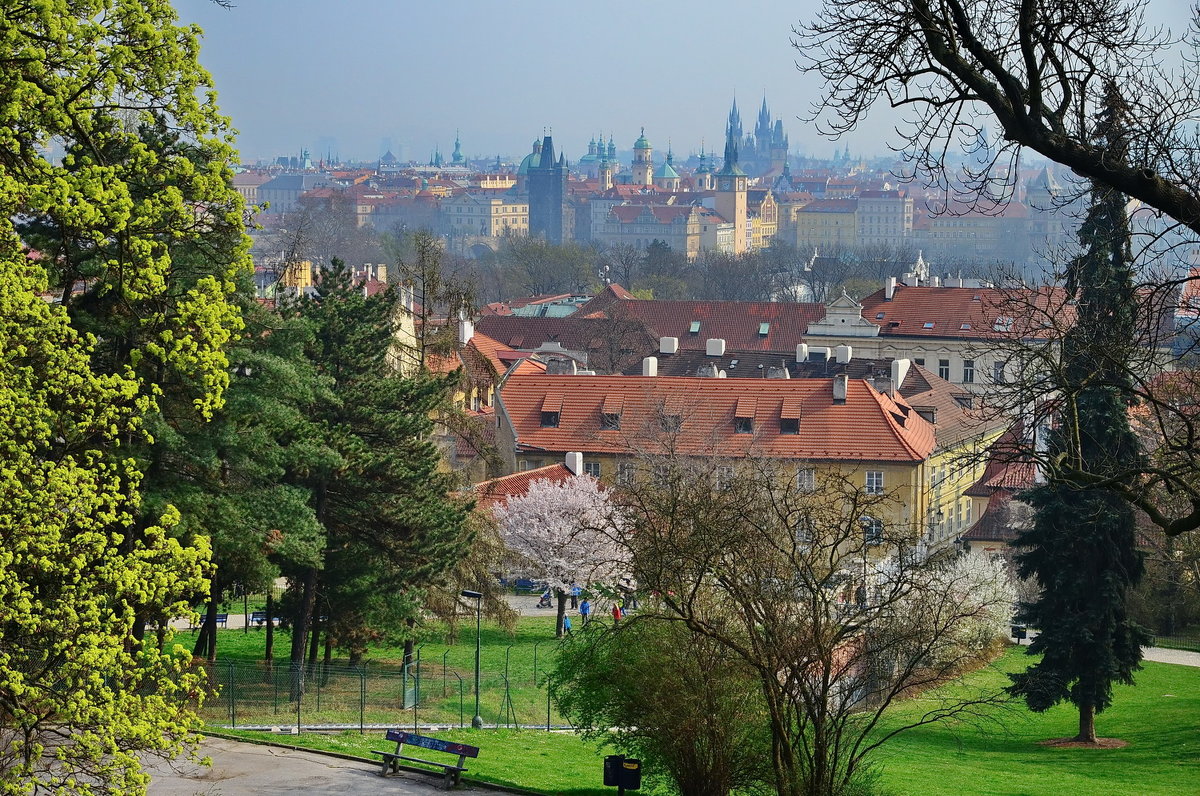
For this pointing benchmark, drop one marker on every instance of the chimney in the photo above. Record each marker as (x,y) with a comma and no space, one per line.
(466,330)
(715,347)
(668,345)
(909,278)
(900,371)
(560,366)
(574,462)
(721,375)
(937,281)
(802,352)
(885,385)
(840,382)
(708,371)
(778,373)
(843,354)
(889,287)
(650,366)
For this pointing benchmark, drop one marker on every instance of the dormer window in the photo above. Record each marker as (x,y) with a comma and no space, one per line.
(550,419)
(789,416)
(743,425)
(789,425)
(551,411)
(743,415)
(610,413)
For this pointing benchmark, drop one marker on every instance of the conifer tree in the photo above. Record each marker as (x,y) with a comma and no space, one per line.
(391,524)
(1081,549)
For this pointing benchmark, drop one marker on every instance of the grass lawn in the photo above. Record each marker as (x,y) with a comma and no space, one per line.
(1159,718)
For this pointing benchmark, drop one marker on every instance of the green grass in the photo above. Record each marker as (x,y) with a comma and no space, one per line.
(548,762)
(1158,718)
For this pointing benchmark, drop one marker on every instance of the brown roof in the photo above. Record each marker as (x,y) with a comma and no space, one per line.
(869,426)
(965,312)
(499,490)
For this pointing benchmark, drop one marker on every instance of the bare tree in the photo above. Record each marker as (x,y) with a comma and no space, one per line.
(831,606)
(1037,68)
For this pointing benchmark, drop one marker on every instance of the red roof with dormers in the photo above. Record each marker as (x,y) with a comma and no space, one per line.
(661,214)
(868,427)
(499,490)
(968,313)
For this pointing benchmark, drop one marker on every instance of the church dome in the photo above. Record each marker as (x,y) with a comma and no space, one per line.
(642,143)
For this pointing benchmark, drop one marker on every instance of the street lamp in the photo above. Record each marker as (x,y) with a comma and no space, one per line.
(477,721)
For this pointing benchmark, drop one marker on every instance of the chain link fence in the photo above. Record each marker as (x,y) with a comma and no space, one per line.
(423,694)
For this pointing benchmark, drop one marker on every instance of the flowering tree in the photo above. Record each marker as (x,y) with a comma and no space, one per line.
(558,530)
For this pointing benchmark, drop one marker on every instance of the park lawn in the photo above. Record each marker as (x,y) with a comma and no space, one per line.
(1158,717)
(546,762)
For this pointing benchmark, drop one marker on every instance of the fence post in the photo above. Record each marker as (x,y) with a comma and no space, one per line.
(320,673)
(444,677)
(299,677)
(362,699)
(232,701)
(535,654)
(547,704)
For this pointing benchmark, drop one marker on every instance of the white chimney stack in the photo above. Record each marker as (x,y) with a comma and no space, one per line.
(802,352)
(574,462)
(668,345)
(899,372)
(466,330)
(650,366)
(843,353)
(937,281)
(840,383)
(715,347)
(889,288)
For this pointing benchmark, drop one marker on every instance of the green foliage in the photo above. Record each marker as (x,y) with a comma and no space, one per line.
(1082,548)
(682,702)
(77,693)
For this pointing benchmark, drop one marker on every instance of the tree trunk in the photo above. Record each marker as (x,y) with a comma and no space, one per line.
(314,646)
(562,611)
(200,648)
(1087,724)
(304,614)
(210,619)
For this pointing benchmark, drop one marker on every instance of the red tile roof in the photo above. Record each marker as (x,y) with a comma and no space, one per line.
(868,427)
(970,313)
(499,490)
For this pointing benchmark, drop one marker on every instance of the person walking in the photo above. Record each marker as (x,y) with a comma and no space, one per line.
(566,625)
(575,590)
(585,611)
(616,611)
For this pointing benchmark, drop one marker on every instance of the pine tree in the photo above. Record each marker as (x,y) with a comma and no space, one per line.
(391,524)
(1081,548)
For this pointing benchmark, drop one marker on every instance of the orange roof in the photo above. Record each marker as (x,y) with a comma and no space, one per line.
(965,312)
(869,426)
(499,490)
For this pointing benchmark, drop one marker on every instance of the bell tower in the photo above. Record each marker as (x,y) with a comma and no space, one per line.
(643,164)
(730,199)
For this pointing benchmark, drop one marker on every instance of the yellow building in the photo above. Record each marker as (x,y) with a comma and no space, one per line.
(825,224)
(486,216)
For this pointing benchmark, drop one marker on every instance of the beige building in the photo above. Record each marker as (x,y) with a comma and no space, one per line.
(825,224)
(485,216)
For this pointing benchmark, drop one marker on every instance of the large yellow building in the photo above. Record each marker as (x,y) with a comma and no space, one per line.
(486,216)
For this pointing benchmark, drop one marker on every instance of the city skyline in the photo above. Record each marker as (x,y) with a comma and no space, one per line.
(410,79)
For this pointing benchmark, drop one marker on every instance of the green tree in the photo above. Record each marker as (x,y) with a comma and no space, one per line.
(114,160)
(1082,548)
(79,696)
(391,524)
(682,702)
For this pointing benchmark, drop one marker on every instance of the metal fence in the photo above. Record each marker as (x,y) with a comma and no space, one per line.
(422,694)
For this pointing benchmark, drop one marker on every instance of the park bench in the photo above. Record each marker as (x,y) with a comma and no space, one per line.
(223,620)
(452,772)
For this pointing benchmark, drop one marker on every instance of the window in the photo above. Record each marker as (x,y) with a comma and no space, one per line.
(789,425)
(662,475)
(550,419)
(927,325)
(998,369)
(920,361)
(968,371)
(764,329)
(806,479)
(872,531)
(592,469)
(743,425)
(610,421)
(803,530)
(625,473)
(944,369)
(874,482)
(694,327)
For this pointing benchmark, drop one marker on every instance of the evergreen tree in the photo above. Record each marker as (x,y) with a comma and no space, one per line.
(1081,548)
(391,524)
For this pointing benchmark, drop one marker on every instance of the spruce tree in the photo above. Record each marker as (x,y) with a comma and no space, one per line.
(1081,549)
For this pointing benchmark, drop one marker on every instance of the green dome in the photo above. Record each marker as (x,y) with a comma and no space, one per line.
(642,143)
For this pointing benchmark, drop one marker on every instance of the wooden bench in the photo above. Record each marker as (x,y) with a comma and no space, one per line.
(451,772)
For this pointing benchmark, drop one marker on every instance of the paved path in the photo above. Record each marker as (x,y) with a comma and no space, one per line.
(244,769)
(1164,655)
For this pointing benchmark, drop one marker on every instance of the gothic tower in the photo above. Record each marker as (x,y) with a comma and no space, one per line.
(547,193)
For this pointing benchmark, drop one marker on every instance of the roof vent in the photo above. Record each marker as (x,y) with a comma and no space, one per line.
(560,366)
(937,281)
(574,462)
(778,373)
(802,352)
(668,345)
(843,354)
(650,366)
(715,347)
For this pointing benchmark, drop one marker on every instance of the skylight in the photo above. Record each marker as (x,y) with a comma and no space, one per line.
(694,328)
(927,325)
(764,329)
(879,316)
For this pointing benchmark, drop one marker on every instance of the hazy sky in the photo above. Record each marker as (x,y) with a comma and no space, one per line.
(348,74)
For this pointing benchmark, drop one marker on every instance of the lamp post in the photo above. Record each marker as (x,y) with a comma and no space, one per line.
(477,721)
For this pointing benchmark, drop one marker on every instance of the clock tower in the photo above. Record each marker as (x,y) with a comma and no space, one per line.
(730,200)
